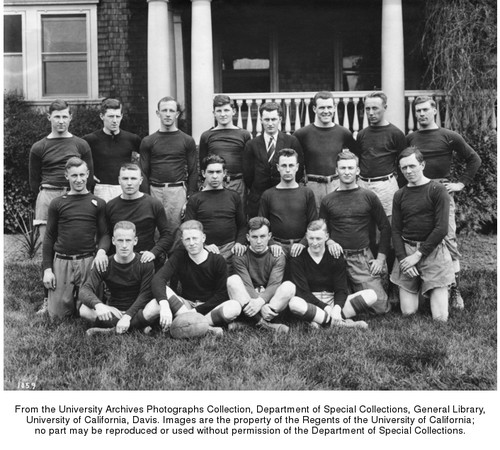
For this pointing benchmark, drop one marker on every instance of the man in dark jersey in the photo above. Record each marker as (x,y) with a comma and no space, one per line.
(131,304)
(203,277)
(321,142)
(47,160)
(349,212)
(260,156)
(220,210)
(419,226)
(321,285)
(226,140)
(168,161)
(438,146)
(258,281)
(288,206)
(145,212)
(111,147)
(76,225)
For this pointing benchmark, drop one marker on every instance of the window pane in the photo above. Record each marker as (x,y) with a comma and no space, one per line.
(64,34)
(13,73)
(66,77)
(12,33)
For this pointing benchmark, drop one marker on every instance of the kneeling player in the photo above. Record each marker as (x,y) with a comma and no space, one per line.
(203,277)
(321,283)
(129,283)
(257,283)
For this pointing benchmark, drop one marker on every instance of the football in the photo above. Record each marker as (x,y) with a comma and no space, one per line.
(189,325)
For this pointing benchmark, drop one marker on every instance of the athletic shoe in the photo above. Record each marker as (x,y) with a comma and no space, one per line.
(237,326)
(44,308)
(275,327)
(215,331)
(313,325)
(96,330)
(456,299)
(348,323)
(147,330)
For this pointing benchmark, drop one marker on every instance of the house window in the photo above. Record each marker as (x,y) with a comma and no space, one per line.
(13,53)
(64,55)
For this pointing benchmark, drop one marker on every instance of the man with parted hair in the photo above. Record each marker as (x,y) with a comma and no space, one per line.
(349,213)
(168,163)
(203,277)
(258,281)
(439,146)
(419,227)
(320,279)
(321,142)
(260,156)
(76,226)
(130,304)
(226,140)
(111,147)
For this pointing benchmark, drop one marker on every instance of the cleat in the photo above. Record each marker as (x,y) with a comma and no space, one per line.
(96,330)
(348,323)
(275,327)
(215,331)
(456,299)
(237,326)
(147,330)
(313,325)
(44,308)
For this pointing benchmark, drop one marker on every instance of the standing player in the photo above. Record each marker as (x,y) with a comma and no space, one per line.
(226,140)
(168,161)
(76,225)
(111,147)
(48,158)
(258,281)
(419,225)
(321,142)
(145,212)
(220,210)
(438,146)
(130,305)
(260,156)
(288,206)
(349,212)
(321,284)
(203,276)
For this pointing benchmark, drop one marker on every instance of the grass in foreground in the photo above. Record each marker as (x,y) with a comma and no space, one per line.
(396,353)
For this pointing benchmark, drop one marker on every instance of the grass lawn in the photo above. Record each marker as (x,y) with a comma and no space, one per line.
(395,353)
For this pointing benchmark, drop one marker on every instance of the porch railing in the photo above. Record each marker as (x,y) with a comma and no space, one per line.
(349,109)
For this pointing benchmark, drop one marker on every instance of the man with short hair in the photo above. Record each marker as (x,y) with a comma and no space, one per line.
(130,305)
(220,210)
(419,226)
(111,147)
(226,140)
(168,162)
(321,142)
(258,281)
(438,146)
(76,225)
(203,277)
(288,206)
(349,212)
(260,156)
(321,285)
(145,212)
(47,160)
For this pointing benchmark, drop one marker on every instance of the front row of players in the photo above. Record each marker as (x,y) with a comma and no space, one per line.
(256,292)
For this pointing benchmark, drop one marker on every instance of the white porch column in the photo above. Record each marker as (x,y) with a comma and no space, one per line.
(393,72)
(161,81)
(202,67)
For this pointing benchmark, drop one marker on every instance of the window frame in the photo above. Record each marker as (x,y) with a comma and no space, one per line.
(23,46)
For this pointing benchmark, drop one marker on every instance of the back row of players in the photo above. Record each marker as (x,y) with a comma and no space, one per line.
(285,179)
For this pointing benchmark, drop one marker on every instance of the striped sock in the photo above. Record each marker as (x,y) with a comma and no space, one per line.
(175,303)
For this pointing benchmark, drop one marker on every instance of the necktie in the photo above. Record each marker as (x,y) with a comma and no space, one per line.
(270,149)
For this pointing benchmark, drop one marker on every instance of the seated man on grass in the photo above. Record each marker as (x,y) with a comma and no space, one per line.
(257,283)
(203,277)
(321,284)
(130,305)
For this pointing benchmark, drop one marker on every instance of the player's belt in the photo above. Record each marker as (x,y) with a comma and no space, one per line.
(52,188)
(409,241)
(286,241)
(322,178)
(382,178)
(235,176)
(74,257)
(361,251)
(160,185)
